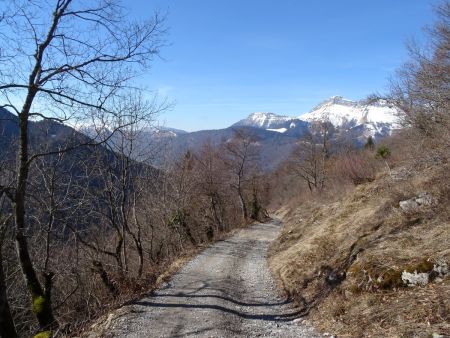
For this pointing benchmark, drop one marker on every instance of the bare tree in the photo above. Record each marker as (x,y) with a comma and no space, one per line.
(124,174)
(65,61)
(211,182)
(421,87)
(7,327)
(241,157)
(182,190)
(309,158)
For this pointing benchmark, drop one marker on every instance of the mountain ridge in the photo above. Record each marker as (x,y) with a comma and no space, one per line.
(277,134)
(337,110)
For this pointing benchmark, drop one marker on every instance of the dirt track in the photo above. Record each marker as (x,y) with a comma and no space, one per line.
(226,291)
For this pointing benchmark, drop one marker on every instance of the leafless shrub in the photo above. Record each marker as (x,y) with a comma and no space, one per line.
(421,88)
(357,166)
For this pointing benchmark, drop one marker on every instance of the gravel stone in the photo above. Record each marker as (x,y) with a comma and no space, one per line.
(226,291)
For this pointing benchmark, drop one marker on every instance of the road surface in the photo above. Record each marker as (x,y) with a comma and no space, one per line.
(226,291)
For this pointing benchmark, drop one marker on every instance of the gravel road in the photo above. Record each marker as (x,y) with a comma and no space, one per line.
(226,291)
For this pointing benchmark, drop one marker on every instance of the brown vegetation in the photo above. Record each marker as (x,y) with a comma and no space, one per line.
(343,260)
(84,225)
(113,231)
(343,254)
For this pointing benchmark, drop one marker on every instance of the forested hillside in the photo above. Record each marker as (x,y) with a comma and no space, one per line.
(84,225)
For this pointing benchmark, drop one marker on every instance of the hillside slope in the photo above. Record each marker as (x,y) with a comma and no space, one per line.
(352,263)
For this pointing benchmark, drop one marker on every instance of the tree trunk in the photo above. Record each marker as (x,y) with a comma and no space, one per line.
(98,267)
(141,259)
(41,303)
(118,254)
(242,203)
(218,219)
(137,239)
(7,328)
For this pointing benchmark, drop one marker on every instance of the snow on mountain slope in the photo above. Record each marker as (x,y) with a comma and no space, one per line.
(278,130)
(290,126)
(264,120)
(377,116)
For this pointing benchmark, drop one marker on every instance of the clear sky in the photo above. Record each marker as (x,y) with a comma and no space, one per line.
(229,58)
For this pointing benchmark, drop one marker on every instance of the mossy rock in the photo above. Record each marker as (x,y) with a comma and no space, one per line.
(424,266)
(38,304)
(391,279)
(44,334)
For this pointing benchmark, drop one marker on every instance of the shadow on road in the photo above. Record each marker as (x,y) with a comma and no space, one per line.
(212,305)
(229,299)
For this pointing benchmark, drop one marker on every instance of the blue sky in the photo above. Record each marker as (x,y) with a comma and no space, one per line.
(229,58)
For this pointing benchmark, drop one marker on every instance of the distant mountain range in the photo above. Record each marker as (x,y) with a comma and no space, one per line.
(277,135)
(353,121)
(377,118)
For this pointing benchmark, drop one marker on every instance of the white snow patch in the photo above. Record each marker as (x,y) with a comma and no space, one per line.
(339,111)
(266,119)
(279,130)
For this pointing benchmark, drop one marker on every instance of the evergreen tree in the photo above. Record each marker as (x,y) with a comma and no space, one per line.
(370,144)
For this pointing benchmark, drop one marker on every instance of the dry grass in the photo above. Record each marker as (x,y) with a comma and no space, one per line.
(343,260)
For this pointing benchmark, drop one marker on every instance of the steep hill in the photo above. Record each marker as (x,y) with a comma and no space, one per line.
(80,165)
(374,263)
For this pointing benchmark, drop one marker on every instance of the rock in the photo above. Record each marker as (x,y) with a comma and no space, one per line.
(409,206)
(413,279)
(401,174)
(424,199)
(441,268)
(333,277)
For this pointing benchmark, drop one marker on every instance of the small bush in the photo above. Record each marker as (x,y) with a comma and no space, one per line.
(358,167)
(383,152)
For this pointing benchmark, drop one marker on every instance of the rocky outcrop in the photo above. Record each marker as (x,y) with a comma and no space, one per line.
(416,203)
(440,269)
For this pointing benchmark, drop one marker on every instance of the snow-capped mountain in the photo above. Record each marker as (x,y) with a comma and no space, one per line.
(360,118)
(277,135)
(275,123)
(378,118)
(264,120)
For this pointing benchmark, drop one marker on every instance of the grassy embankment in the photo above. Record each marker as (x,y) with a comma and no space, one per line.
(343,261)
